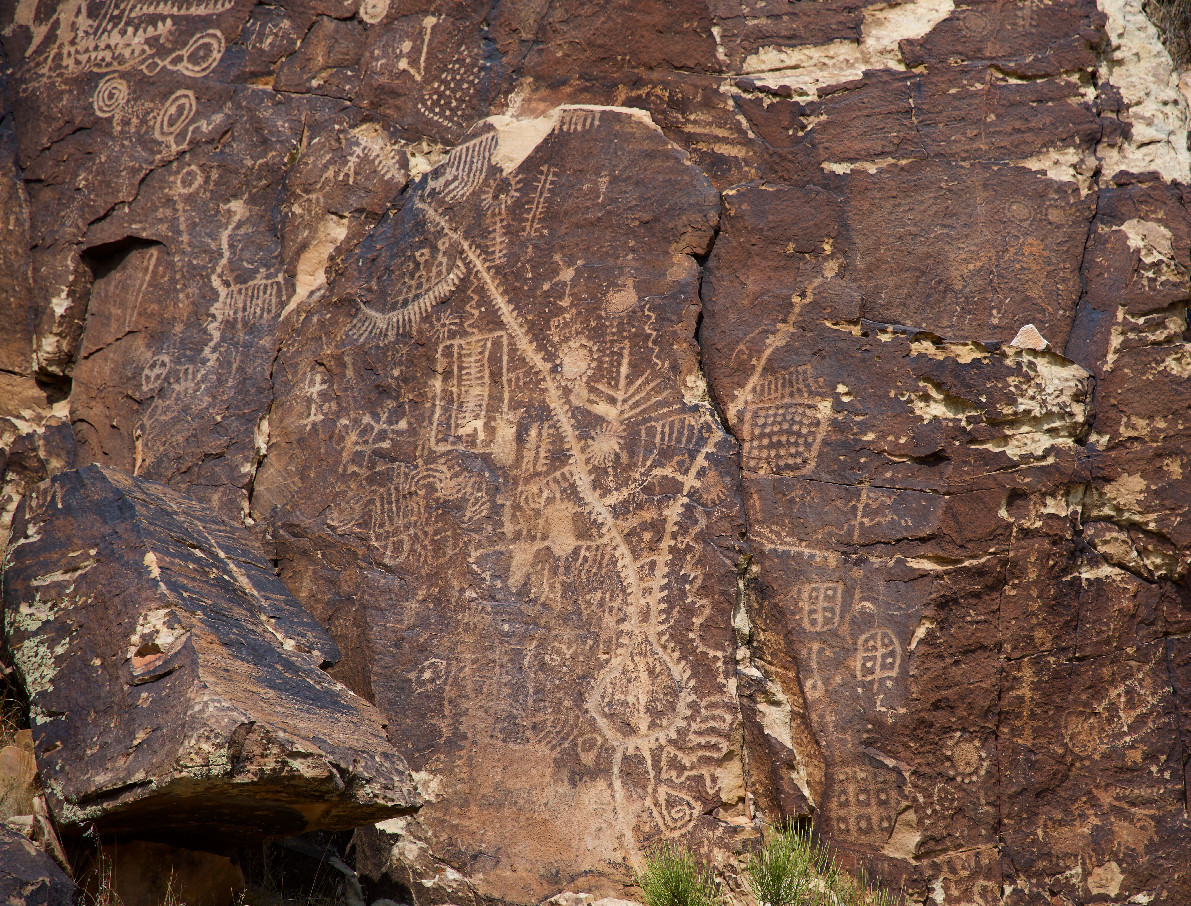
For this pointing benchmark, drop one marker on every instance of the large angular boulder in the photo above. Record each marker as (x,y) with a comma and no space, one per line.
(174,684)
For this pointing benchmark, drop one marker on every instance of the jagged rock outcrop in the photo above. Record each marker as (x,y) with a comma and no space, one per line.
(173,682)
(681,415)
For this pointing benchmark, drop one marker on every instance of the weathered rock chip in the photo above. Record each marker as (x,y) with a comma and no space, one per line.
(28,877)
(174,684)
(18,776)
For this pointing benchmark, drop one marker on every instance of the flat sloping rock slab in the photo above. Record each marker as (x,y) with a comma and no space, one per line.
(174,683)
(29,877)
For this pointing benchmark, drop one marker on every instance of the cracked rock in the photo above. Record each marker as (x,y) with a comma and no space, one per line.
(503,396)
(174,683)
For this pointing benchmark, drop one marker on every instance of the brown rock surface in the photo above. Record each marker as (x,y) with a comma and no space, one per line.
(537,500)
(922,575)
(28,877)
(174,684)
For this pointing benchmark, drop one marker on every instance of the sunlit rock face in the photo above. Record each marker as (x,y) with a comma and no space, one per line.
(174,684)
(680,416)
(540,499)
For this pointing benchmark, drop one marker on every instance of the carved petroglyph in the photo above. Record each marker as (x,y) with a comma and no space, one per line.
(864,805)
(821,606)
(878,657)
(464,170)
(571,492)
(251,302)
(198,58)
(241,301)
(121,35)
(372,11)
(967,761)
(840,622)
(417,70)
(541,193)
(578,119)
(174,116)
(784,426)
(399,516)
(154,375)
(471,394)
(436,284)
(445,94)
(110,95)
(448,104)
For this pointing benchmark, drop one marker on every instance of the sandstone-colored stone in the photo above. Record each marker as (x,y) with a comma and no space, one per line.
(18,776)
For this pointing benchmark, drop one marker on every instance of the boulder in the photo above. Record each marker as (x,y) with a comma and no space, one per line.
(28,877)
(174,684)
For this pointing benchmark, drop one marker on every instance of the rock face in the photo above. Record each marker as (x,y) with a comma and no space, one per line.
(173,682)
(682,416)
(539,498)
(29,877)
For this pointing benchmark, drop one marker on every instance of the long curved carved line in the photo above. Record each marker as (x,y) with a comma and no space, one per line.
(625,559)
(628,566)
(413,306)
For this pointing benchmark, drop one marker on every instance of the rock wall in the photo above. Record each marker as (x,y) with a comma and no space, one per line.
(682,416)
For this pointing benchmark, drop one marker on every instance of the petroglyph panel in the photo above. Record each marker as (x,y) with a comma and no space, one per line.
(948,338)
(555,520)
(909,499)
(199,379)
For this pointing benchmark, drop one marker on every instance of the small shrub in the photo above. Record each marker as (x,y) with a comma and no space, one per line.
(102,889)
(783,872)
(794,868)
(672,877)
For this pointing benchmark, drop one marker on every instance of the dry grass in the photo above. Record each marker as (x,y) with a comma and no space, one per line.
(1173,18)
(18,770)
(102,891)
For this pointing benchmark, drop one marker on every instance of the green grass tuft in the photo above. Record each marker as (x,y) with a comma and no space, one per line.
(672,877)
(784,871)
(792,868)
